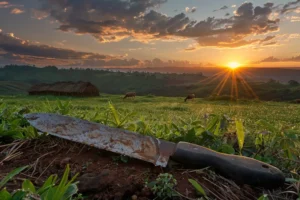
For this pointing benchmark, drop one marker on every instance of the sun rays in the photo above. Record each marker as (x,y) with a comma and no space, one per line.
(233,65)
(231,78)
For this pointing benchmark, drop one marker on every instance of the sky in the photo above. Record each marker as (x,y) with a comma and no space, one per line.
(150,33)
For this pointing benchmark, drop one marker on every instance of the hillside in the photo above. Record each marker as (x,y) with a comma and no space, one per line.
(14,87)
(256,74)
(17,79)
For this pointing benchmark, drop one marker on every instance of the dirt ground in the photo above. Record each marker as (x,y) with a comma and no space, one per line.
(103,175)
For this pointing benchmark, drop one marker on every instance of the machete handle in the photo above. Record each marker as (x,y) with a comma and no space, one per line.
(242,170)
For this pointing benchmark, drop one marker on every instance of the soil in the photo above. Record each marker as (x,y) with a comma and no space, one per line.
(102,174)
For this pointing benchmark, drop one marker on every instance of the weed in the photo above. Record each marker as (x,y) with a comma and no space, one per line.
(163,186)
(198,187)
(64,190)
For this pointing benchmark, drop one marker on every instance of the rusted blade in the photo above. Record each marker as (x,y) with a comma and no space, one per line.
(100,136)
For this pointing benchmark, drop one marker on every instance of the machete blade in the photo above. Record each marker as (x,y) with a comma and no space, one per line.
(120,141)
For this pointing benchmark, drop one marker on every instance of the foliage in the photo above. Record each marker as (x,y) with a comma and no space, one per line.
(267,131)
(13,125)
(10,175)
(198,187)
(163,186)
(64,190)
(263,197)
(60,107)
(240,134)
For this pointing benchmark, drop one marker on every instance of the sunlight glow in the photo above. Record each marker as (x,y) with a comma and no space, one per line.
(232,81)
(234,65)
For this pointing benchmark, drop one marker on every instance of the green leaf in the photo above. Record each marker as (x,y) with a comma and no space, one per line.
(125,119)
(263,197)
(292,180)
(4,195)
(240,133)
(19,195)
(198,187)
(217,130)
(28,186)
(11,175)
(47,184)
(226,148)
(114,113)
(71,190)
(212,123)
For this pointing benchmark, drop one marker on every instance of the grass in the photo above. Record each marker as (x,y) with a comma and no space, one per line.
(168,108)
(267,131)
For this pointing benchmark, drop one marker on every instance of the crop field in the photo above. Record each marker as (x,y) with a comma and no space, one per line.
(267,131)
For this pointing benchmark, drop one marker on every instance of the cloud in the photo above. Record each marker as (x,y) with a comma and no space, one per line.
(222,8)
(295,19)
(112,21)
(294,36)
(290,6)
(190,10)
(271,59)
(274,59)
(6,4)
(16,11)
(16,50)
(156,62)
(39,14)
(270,44)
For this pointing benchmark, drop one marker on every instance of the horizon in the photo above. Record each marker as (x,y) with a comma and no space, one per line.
(150,33)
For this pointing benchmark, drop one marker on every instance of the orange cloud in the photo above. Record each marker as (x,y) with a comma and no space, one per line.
(16,11)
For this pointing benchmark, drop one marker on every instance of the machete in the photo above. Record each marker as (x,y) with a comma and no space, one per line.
(241,169)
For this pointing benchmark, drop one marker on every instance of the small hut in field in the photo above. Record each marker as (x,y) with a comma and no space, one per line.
(82,89)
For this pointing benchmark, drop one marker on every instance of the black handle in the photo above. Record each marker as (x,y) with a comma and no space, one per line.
(241,169)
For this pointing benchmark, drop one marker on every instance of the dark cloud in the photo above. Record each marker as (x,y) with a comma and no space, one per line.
(268,38)
(290,6)
(222,8)
(273,59)
(110,21)
(156,62)
(111,63)
(270,43)
(11,44)
(16,51)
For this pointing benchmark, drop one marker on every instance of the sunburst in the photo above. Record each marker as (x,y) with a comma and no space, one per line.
(231,74)
(233,65)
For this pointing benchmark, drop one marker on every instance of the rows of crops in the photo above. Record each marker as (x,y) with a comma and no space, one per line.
(266,131)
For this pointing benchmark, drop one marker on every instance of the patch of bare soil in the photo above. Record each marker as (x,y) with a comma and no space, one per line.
(103,175)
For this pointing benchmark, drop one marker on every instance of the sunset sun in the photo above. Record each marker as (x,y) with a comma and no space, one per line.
(233,65)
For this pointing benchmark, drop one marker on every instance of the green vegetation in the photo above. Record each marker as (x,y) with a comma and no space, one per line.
(164,186)
(64,190)
(16,80)
(198,187)
(267,131)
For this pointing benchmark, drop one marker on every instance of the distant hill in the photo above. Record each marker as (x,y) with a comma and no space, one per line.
(18,79)
(255,74)
(13,87)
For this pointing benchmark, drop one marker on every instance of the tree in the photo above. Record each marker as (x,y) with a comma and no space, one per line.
(293,83)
